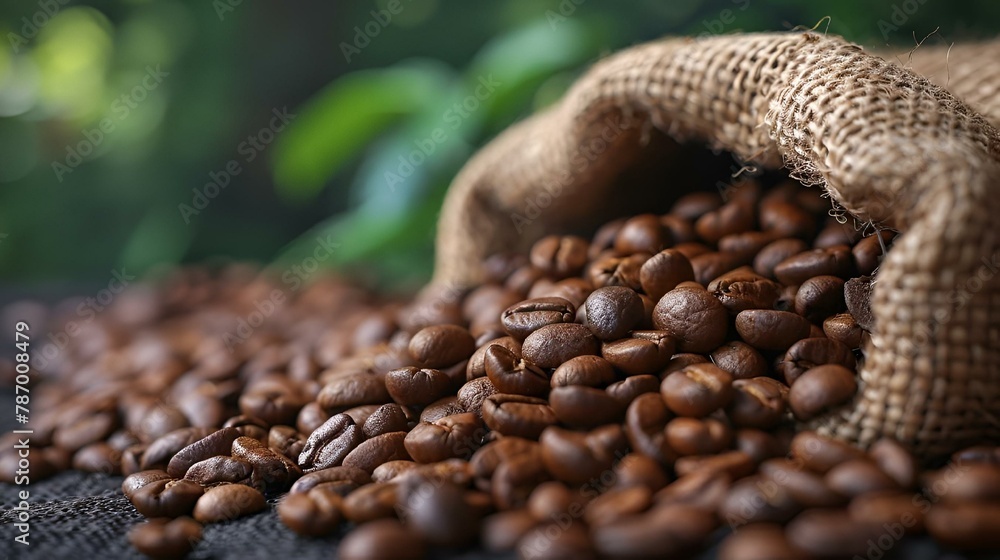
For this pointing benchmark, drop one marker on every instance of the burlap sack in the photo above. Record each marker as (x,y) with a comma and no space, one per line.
(889,145)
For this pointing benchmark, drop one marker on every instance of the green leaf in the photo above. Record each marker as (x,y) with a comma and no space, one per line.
(341,119)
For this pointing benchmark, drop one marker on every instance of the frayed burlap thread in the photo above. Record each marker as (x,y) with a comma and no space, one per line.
(890,146)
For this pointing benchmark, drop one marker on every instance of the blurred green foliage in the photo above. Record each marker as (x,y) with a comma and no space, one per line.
(389,98)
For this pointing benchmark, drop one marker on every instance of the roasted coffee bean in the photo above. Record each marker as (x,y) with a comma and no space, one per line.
(758,444)
(515,478)
(388,471)
(821,389)
(757,500)
(644,352)
(502,531)
(576,457)
(344,476)
(663,271)
(709,266)
(668,531)
(642,234)
(868,252)
(440,514)
(820,297)
(328,445)
(746,244)
(697,390)
(311,417)
(131,458)
(134,482)
(819,453)
(681,361)
(477,366)
(768,329)
(385,539)
(440,346)
(370,502)
(612,311)
(969,526)
(166,498)
(618,271)
(628,389)
(704,490)
(592,371)
(832,533)
(472,395)
(580,406)
(804,486)
(560,256)
(694,205)
(380,449)
(98,457)
(359,414)
(759,541)
(972,482)
(526,317)
(743,289)
(573,290)
(690,251)
(286,440)
(516,415)
(832,261)
(353,390)
(86,430)
(220,469)
(557,541)
(894,460)
(636,469)
(521,280)
(272,472)
(740,360)
(887,508)
(272,406)
(758,402)
(317,513)
(487,458)
(165,538)
(551,345)
(733,217)
(786,220)
(696,320)
(811,352)
(416,386)
(510,374)
(645,421)
(844,329)
(857,295)
(736,464)
(388,418)
(774,253)
(217,443)
(989,454)
(452,436)
(691,436)
(228,502)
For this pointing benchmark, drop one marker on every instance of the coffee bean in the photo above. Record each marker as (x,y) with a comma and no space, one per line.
(663,271)
(560,256)
(512,375)
(371,502)
(645,421)
(697,390)
(576,457)
(758,402)
(786,220)
(736,464)
(347,477)
(696,320)
(743,289)
(516,415)
(217,443)
(774,253)
(501,531)
(759,541)
(804,486)
(821,389)
(757,500)
(477,367)
(644,352)
(820,297)
(768,329)
(711,265)
(451,436)
(989,454)
(894,460)
(526,317)
(617,271)
(612,311)
(487,458)
(380,449)
(385,539)
(515,478)
(811,352)
(220,470)
(272,472)
(691,436)
(628,389)
(86,430)
(353,390)
(733,217)
(328,445)
(746,244)
(819,453)
(557,541)
(642,233)
(740,360)
(704,490)
(311,514)
(592,371)
(286,440)
(857,295)
(889,508)
(134,482)
(551,345)
(272,406)
(844,329)
(166,498)
(473,393)
(759,444)
(692,206)
(974,482)
(580,406)
(636,469)
(311,417)
(833,261)
(868,252)
(388,418)
(440,346)
(165,538)
(827,533)
(969,526)
(668,531)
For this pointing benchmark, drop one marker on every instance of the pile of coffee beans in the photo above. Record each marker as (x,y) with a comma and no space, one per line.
(627,396)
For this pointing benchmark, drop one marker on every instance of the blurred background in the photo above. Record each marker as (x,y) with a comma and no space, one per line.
(136,134)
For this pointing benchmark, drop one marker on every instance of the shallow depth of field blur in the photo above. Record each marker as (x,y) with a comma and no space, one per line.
(137,134)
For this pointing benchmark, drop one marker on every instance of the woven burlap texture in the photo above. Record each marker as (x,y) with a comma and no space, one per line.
(889,145)
(971,71)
